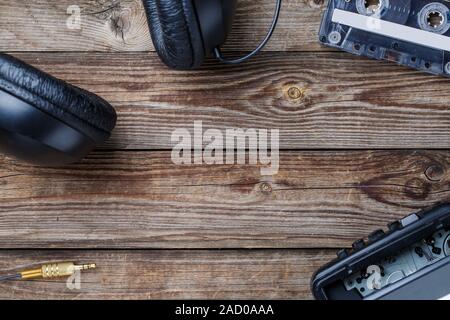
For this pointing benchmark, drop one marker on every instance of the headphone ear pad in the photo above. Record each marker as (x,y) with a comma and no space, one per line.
(45,120)
(79,108)
(175,33)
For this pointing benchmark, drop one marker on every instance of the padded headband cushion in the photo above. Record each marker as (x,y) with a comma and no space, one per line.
(175,33)
(76,107)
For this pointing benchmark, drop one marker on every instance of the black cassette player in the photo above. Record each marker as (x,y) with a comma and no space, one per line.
(409,261)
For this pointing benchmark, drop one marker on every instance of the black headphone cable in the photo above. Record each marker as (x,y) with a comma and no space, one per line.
(11,277)
(218,53)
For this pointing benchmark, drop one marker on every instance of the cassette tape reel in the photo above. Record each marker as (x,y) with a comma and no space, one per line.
(414,33)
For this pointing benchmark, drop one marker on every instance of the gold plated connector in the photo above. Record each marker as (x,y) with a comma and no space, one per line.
(55,270)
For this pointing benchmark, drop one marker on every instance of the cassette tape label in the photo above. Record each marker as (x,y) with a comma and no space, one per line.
(412,33)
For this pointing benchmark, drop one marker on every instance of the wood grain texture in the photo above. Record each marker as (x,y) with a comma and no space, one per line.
(141,200)
(230,274)
(130,196)
(121,25)
(338,101)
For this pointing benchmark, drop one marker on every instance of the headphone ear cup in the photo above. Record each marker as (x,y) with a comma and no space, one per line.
(62,105)
(175,33)
(76,107)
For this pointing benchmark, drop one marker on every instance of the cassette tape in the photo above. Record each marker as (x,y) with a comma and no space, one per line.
(413,33)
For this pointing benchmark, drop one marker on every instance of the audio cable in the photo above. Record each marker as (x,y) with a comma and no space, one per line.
(218,53)
(49,271)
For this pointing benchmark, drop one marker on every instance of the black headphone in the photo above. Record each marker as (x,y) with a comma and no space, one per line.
(184,32)
(46,121)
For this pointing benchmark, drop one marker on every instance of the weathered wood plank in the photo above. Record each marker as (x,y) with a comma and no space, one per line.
(114,25)
(161,274)
(142,200)
(335,101)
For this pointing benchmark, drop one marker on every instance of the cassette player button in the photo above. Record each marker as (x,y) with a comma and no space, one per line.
(342,254)
(358,244)
(376,235)
(409,220)
(394,226)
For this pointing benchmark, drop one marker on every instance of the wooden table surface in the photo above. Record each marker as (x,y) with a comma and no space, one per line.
(364,143)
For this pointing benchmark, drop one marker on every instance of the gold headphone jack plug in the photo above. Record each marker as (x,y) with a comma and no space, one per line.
(49,271)
(55,270)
